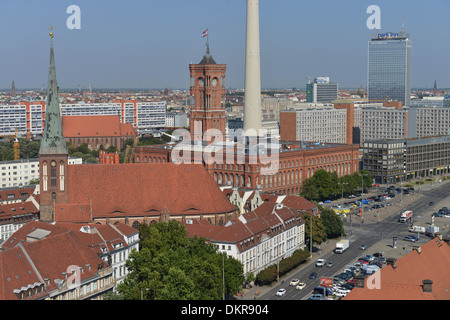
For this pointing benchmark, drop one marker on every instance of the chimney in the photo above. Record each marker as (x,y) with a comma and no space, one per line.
(359,280)
(427,285)
(418,249)
(438,235)
(392,262)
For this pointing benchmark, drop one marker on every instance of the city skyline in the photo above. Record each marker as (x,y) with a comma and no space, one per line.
(149,44)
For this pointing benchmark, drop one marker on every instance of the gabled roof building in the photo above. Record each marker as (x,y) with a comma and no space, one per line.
(258,238)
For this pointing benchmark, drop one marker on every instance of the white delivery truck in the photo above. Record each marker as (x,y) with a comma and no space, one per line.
(432,230)
(341,246)
(406,216)
(417,229)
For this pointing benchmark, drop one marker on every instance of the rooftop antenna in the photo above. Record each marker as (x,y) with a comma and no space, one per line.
(403,25)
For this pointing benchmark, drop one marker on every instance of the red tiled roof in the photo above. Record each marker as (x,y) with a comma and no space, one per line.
(140,189)
(257,223)
(96,126)
(16,209)
(25,263)
(17,194)
(298,203)
(405,281)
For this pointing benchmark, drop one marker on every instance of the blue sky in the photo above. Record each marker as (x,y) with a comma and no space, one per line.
(149,44)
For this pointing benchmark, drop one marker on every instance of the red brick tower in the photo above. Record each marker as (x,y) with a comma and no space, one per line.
(208,89)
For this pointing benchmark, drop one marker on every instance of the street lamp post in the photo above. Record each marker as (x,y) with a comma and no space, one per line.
(362,192)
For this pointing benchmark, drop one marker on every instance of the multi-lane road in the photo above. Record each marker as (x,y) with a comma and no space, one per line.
(370,234)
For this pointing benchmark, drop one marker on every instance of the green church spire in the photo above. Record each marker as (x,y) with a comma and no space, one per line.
(53,141)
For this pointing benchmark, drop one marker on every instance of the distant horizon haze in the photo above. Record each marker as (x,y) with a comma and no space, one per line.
(150,44)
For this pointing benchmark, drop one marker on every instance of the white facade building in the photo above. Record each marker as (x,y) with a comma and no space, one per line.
(255,244)
(17,173)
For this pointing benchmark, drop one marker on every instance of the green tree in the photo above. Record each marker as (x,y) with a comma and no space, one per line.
(319,233)
(322,185)
(309,190)
(334,226)
(170,265)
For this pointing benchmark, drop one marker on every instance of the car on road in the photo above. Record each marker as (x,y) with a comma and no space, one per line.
(321,262)
(410,238)
(313,275)
(294,282)
(330,264)
(281,292)
(300,286)
(430,203)
(363,247)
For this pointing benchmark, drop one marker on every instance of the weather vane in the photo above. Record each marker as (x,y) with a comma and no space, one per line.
(51,31)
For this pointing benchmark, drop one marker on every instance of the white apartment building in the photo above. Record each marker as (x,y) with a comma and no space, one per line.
(257,247)
(116,246)
(428,121)
(383,123)
(18,173)
(144,116)
(29,120)
(176,120)
(326,125)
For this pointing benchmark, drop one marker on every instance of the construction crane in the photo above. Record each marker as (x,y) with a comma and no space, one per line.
(16,145)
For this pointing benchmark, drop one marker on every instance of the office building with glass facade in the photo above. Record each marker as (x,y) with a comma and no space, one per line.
(390,161)
(389,68)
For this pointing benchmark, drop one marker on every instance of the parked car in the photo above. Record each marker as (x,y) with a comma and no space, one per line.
(411,238)
(381,260)
(378,254)
(316,297)
(369,257)
(281,292)
(327,201)
(345,276)
(340,293)
(294,282)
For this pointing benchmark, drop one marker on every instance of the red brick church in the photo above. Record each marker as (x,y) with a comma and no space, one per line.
(129,193)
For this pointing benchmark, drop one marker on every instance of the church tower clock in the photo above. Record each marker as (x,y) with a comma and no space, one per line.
(208,88)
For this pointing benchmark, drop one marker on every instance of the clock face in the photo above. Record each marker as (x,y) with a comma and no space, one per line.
(201,82)
(214,82)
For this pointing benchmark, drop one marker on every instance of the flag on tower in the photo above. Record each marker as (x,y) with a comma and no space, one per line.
(205,33)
